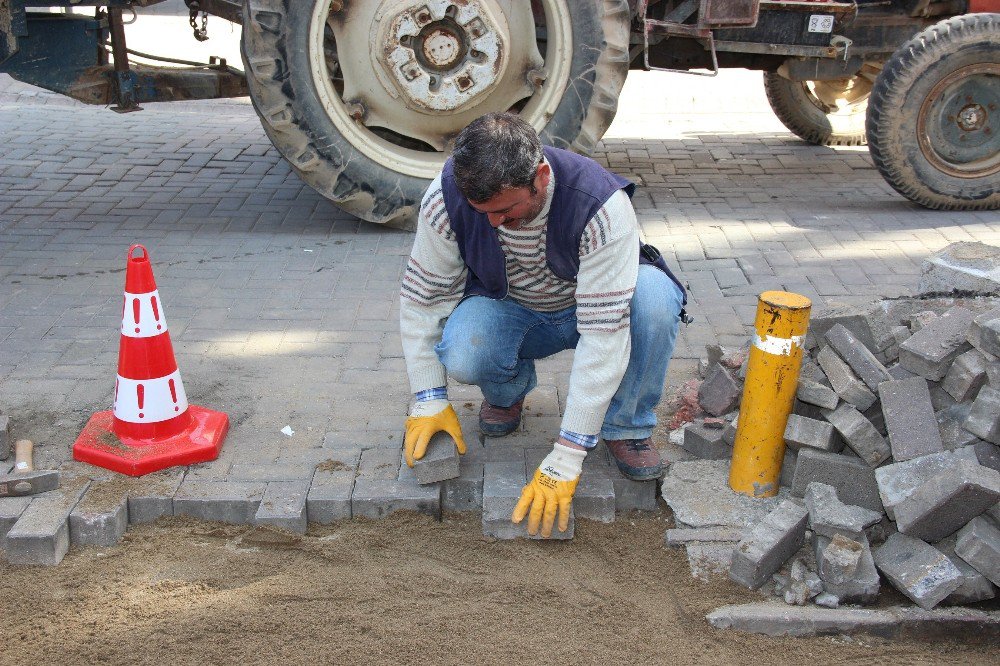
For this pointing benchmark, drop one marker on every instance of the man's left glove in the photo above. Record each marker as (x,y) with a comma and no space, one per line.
(551,490)
(427,418)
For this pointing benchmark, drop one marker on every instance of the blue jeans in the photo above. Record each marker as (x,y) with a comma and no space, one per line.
(493,344)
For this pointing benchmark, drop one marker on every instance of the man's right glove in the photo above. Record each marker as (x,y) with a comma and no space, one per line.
(427,418)
(551,489)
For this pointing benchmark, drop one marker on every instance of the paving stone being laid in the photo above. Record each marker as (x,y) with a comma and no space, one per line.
(705,442)
(817,394)
(594,498)
(943,504)
(860,586)
(465,492)
(930,351)
(801,431)
(772,618)
(100,518)
(41,533)
(857,356)
(978,543)
(966,376)
(234,502)
(152,496)
(844,381)
(853,479)
(984,334)
(984,415)
(699,494)
(975,586)
(897,481)
(720,392)
(950,424)
(829,517)
(284,506)
(909,418)
(502,486)
(440,462)
(859,434)
(376,498)
(918,570)
(769,544)
(685,535)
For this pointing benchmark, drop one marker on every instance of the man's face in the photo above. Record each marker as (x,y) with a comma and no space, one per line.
(513,207)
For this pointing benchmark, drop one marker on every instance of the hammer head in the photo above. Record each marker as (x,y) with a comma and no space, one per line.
(30,483)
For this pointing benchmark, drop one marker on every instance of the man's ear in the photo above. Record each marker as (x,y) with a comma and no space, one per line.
(543,175)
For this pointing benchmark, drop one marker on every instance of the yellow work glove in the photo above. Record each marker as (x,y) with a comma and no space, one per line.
(427,418)
(551,489)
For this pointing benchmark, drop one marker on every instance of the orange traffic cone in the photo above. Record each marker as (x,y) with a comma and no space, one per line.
(151,425)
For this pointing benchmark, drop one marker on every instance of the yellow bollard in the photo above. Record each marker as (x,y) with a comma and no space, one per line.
(768,393)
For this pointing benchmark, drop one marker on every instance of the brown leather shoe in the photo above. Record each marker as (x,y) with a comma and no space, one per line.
(637,459)
(499,421)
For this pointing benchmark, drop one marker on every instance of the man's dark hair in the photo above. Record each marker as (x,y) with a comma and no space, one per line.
(495,152)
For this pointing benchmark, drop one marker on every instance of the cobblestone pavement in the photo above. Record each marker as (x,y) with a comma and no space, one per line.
(283,309)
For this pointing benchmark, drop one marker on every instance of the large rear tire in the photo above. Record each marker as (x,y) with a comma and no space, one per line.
(363,97)
(934,118)
(824,113)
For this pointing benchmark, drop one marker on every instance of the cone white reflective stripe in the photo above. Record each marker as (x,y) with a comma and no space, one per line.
(150,400)
(142,315)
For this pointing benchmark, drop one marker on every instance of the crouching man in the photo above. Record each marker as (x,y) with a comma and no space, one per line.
(523,251)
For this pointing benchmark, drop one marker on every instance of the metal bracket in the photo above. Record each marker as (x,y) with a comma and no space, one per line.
(125,79)
(669,27)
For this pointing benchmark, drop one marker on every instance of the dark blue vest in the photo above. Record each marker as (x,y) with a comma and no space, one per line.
(581,188)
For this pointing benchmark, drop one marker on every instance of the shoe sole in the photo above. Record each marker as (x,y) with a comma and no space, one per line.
(639,474)
(492,430)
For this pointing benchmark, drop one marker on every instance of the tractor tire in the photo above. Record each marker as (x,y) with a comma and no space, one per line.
(824,113)
(369,126)
(934,117)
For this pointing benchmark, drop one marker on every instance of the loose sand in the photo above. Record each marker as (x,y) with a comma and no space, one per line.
(403,590)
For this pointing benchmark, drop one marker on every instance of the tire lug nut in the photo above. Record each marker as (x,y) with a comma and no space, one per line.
(356,110)
(336,6)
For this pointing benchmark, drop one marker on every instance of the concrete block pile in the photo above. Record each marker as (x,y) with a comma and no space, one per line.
(891,468)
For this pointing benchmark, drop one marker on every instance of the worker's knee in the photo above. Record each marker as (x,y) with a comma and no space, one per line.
(469,361)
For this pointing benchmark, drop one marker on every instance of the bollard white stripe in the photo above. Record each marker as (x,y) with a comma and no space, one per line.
(142,315)
(163,398)
(777,346)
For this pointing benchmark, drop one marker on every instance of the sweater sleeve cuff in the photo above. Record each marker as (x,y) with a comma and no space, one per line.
(428,378)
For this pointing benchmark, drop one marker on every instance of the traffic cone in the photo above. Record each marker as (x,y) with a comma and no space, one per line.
(151,426)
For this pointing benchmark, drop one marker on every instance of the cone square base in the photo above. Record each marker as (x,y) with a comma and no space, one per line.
(201,442)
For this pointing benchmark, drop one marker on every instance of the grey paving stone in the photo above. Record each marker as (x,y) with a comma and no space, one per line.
(909,418)
(978,543)
(729,432)
(698,492)
(962,267)
(684,535)
(918,570)
(502,485)
(943,504)
(899,372)
(594,498)
(815,393)
(779,619)
(860,587)
(329,496)
(152,496)
(984,334)
(5,443)
(464,492)
(867,324)
(987,454)
(376,498)
(440,462)
(100,518)
(853,479)
(708,560)
(706,443)
(828,516)
(769,544)
(802,431)
(11,509)
(975,586)
(857,356)
(233,502)
(379,464)
(844,381)
(950,421)
(284,506)
(720,392)
(860,434)
(839,560)
(930,351)
(633,495)
(897,481)
(41,534)
(984,416)
(966,376)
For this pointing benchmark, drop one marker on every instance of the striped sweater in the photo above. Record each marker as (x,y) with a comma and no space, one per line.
(435,280)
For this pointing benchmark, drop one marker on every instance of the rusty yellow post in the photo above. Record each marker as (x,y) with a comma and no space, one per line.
(768,393)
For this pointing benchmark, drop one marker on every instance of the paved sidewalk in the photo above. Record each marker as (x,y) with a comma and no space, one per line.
(283,310)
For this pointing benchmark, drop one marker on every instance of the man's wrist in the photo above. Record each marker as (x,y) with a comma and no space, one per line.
(575,440)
